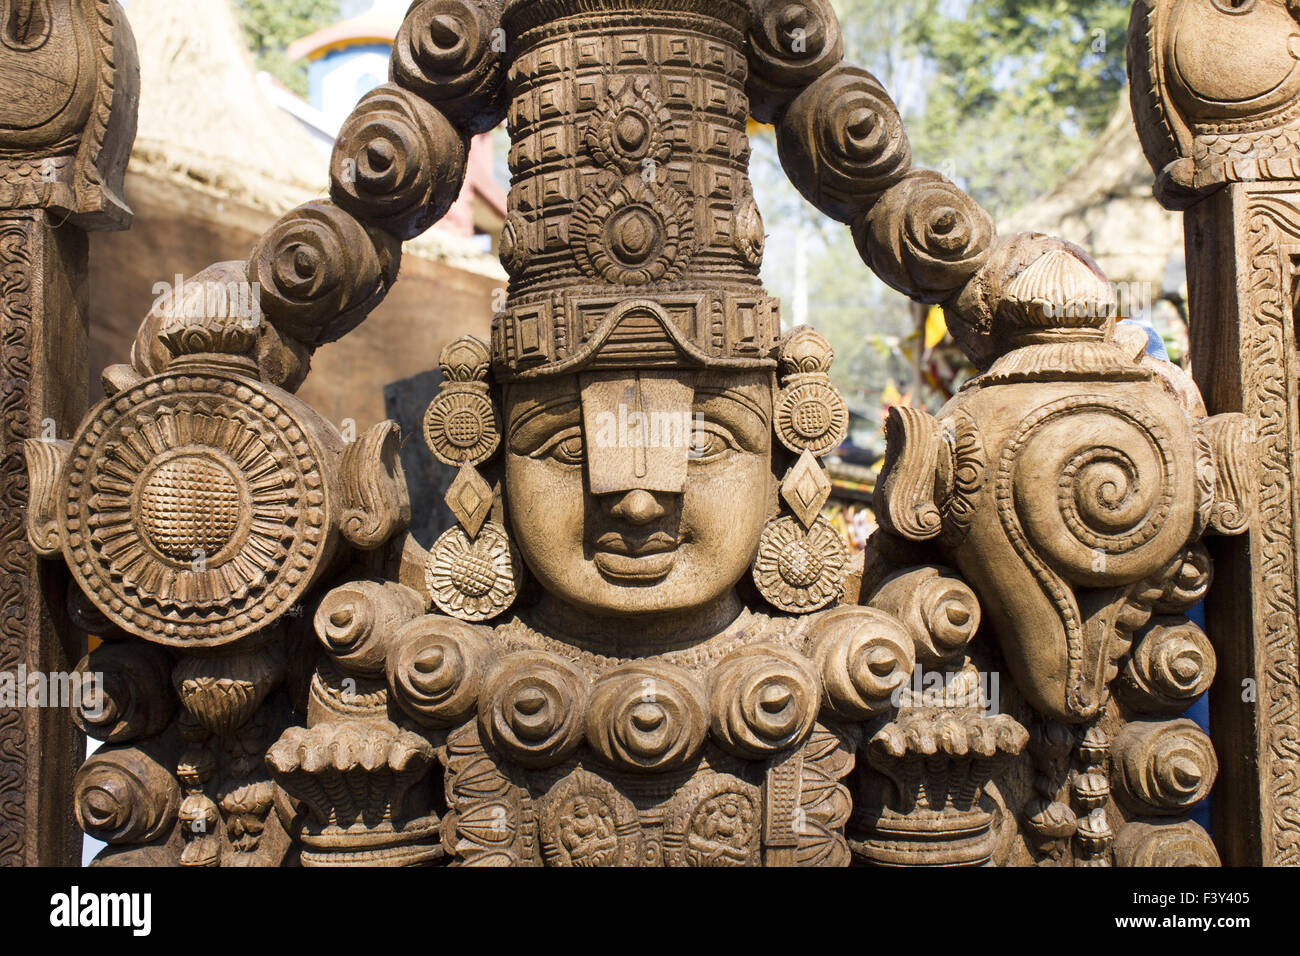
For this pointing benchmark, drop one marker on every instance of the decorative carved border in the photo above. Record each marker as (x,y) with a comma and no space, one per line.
(16,581)
(1273,220)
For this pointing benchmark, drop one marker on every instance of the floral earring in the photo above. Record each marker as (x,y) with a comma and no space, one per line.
(802,560)
(474,571)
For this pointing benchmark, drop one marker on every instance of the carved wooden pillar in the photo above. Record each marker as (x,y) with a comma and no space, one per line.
(1225,143)
(68,81)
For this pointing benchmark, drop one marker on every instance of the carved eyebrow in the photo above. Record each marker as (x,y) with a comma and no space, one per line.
(736,395)
(749,419)
(534,422)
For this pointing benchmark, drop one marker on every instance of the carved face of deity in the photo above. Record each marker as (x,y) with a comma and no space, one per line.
(640,492)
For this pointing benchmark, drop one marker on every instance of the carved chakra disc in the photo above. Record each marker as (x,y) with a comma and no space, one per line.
(474,580)
(798,571)
(196,509)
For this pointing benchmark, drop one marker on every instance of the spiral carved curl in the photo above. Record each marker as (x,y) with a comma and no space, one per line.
(1173,663)
(763,699)
(450,53)
(1164,843)
(940,608)
(864,656)
(842,143)
(791,43)
(1189,582)
(926,238)
(132,699)
(321,272)
(356,620)
(436,666)
(532,708)
(124,795)
(1164,767)
(647,718)
(397,163)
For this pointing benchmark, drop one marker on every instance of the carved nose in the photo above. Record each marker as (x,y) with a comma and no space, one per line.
(638,507)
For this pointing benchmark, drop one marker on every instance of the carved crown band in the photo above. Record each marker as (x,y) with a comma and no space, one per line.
(556,336)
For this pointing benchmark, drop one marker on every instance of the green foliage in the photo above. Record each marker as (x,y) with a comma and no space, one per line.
(1018,90)
(271,25)
(1002,96)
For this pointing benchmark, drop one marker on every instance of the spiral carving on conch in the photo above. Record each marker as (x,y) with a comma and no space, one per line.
(123,795)
(450,53)
(1173,663)
(926,238)
(790,45)
(864,656)
(398,163)
(1120,505)
(321,272)
(125,692)
(647,717)
(532,708)
(763,699)
(1164,767)
(436,667)
(356,620)
(842,143)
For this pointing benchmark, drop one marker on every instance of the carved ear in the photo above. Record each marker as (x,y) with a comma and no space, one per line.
(1230,438)
(908,495)
(376,505)
(45,460)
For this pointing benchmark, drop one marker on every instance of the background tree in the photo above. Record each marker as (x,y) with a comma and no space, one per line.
(1002,96)
(1016,90)
(271,25)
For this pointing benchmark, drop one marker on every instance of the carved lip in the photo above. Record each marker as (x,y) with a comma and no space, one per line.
(639,560)
(658,542)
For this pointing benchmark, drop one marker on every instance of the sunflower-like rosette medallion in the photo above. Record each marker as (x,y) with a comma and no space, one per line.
(474,579)
(461,427)
(800,571)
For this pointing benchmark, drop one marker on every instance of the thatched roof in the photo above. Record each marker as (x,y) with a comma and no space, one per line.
(1106,206)
(205,123)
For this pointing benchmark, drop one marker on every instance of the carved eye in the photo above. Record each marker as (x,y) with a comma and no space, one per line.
(710,442)
(567,447)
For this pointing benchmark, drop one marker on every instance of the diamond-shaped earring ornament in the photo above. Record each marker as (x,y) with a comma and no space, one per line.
(470,500)
(806,488)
